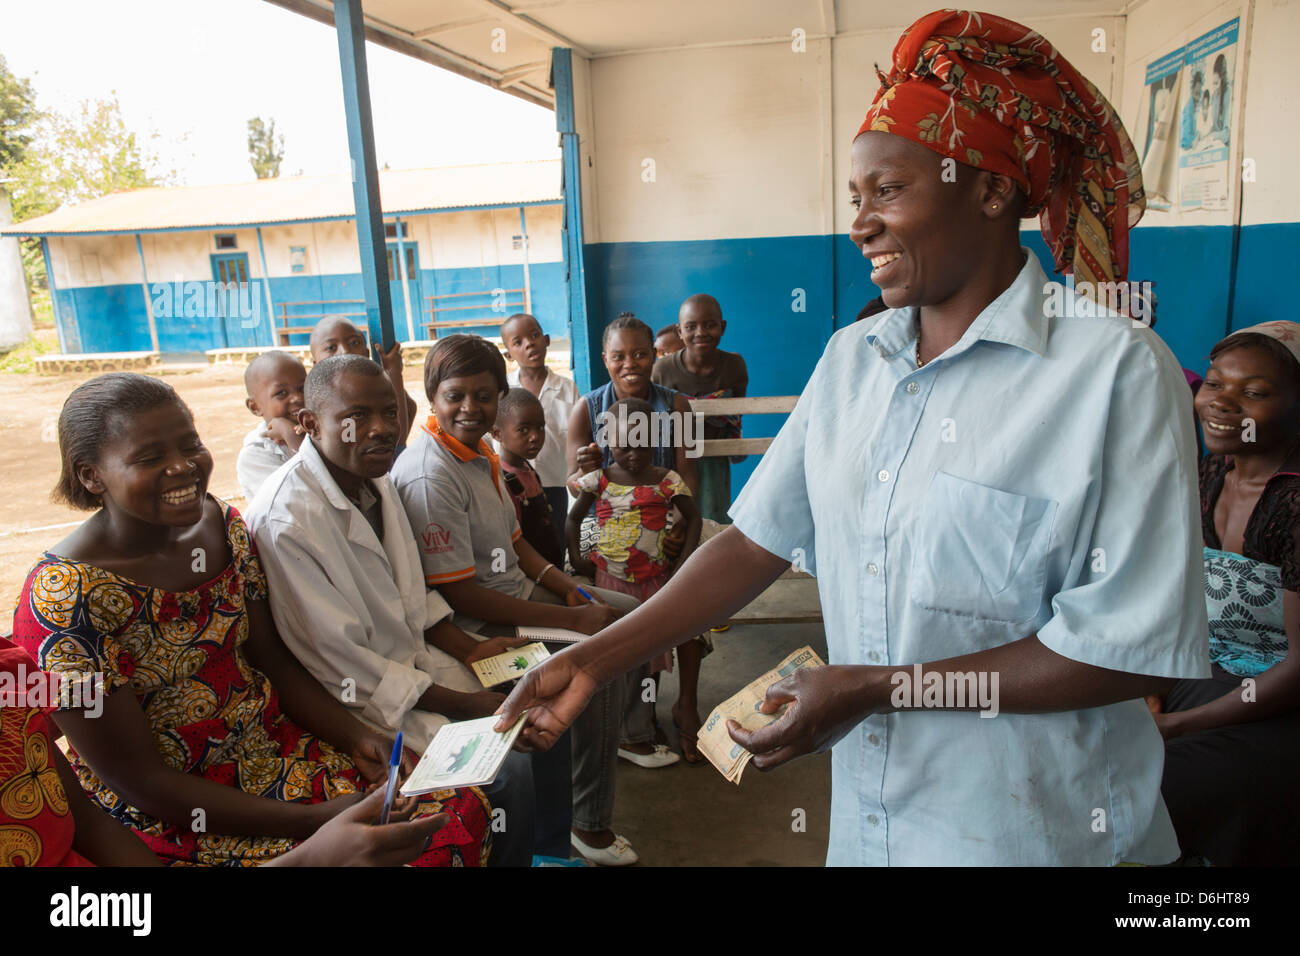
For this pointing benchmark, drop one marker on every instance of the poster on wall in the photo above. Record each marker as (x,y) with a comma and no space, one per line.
(1205,120)
(1160,152)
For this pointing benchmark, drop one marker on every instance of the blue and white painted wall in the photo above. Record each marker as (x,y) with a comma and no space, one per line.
(722,169)
(101,299)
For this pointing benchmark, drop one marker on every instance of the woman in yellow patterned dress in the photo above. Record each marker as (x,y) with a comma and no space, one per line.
(214,744)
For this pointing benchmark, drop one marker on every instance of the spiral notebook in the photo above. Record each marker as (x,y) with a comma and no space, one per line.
(551,635)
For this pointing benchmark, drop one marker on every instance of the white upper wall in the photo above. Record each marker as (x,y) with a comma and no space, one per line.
(751,140)
(742,147)
(724,127)
(1272,135)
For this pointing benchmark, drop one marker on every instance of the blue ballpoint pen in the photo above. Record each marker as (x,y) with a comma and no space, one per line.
(394,762)
(586,595)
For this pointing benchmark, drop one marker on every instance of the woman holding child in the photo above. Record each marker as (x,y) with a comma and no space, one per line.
(958,474)
(1232,740)
(628,349)
(214,744)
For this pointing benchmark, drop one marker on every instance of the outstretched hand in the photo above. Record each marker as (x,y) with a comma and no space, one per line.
(822,705)
(554,693)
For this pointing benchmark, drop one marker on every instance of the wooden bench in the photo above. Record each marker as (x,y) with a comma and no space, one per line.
(435,309)
(284,330)
(792,598)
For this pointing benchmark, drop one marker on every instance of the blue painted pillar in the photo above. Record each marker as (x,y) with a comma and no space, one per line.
(148,299)
(350,26)
(266,288)
(586,346)
(54,296)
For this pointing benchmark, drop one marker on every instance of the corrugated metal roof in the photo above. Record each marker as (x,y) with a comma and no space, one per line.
(300,198)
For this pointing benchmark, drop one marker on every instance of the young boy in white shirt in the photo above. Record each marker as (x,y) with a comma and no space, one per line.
(274,383)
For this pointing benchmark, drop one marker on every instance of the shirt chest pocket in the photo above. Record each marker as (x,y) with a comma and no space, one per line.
(981,552)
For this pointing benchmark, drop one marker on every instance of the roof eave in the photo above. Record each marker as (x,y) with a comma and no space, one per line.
(17,232)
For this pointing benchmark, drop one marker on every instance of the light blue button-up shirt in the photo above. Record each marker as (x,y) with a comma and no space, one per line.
(1039,477)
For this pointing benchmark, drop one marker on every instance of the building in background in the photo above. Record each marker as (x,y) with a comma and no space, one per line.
(192,269)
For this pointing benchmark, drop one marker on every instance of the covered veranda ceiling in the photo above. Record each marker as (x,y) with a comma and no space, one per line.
(458,35)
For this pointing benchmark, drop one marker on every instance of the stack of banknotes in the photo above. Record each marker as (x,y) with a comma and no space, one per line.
(715,743)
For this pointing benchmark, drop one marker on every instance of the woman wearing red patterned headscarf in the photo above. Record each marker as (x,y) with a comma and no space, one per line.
(994,485)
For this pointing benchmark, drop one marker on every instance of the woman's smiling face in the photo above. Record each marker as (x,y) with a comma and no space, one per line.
(154,469)
(466,406)
(1245,386)
(914,228)
(630,358)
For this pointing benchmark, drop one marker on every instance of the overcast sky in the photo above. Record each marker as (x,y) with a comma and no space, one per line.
(196,71)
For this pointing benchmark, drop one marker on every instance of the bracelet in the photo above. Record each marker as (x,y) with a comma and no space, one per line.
(541,574)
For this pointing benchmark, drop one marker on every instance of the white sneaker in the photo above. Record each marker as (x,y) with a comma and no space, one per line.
(662,757)
(618,853)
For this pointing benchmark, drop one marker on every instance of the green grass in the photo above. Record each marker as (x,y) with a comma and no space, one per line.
(23,358)
(43,309)
(44,340)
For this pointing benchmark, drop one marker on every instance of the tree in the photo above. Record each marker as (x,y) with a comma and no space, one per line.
(78,157)
(265,149)
(17,113)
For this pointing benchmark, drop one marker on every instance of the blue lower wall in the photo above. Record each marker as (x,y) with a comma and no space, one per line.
(754,279)
(114,318)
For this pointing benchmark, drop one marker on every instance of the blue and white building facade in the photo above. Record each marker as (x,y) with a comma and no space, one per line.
(191,269)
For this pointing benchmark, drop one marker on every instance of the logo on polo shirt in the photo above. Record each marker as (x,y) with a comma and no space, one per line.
(435,539)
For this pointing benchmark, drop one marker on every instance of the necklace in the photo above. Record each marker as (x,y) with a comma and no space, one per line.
(919,363)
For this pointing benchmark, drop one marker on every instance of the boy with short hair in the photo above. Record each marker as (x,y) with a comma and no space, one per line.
(667,341)
(702,370)
(337,336)
(526,344)
(274,383)
(520,432)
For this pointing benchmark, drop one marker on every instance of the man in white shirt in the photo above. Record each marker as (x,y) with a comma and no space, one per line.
(347,590)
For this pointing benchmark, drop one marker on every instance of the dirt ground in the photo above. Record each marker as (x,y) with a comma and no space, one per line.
(29,410)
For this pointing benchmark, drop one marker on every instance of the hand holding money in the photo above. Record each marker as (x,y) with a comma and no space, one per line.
(723,748)
(818,707)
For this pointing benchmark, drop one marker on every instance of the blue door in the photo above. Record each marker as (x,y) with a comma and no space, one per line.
(238,320)
(412,288)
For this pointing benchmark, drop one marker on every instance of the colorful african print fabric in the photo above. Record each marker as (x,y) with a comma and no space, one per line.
(994,94)
(36,827)
(212,713)
(632,522)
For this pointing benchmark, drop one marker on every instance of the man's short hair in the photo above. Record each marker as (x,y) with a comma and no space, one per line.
(322,380)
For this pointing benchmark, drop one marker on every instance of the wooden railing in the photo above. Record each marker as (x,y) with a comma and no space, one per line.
(499,311)
(792,598)
(759,405)
(283,330)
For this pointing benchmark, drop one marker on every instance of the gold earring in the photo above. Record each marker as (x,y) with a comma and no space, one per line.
(995,205)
